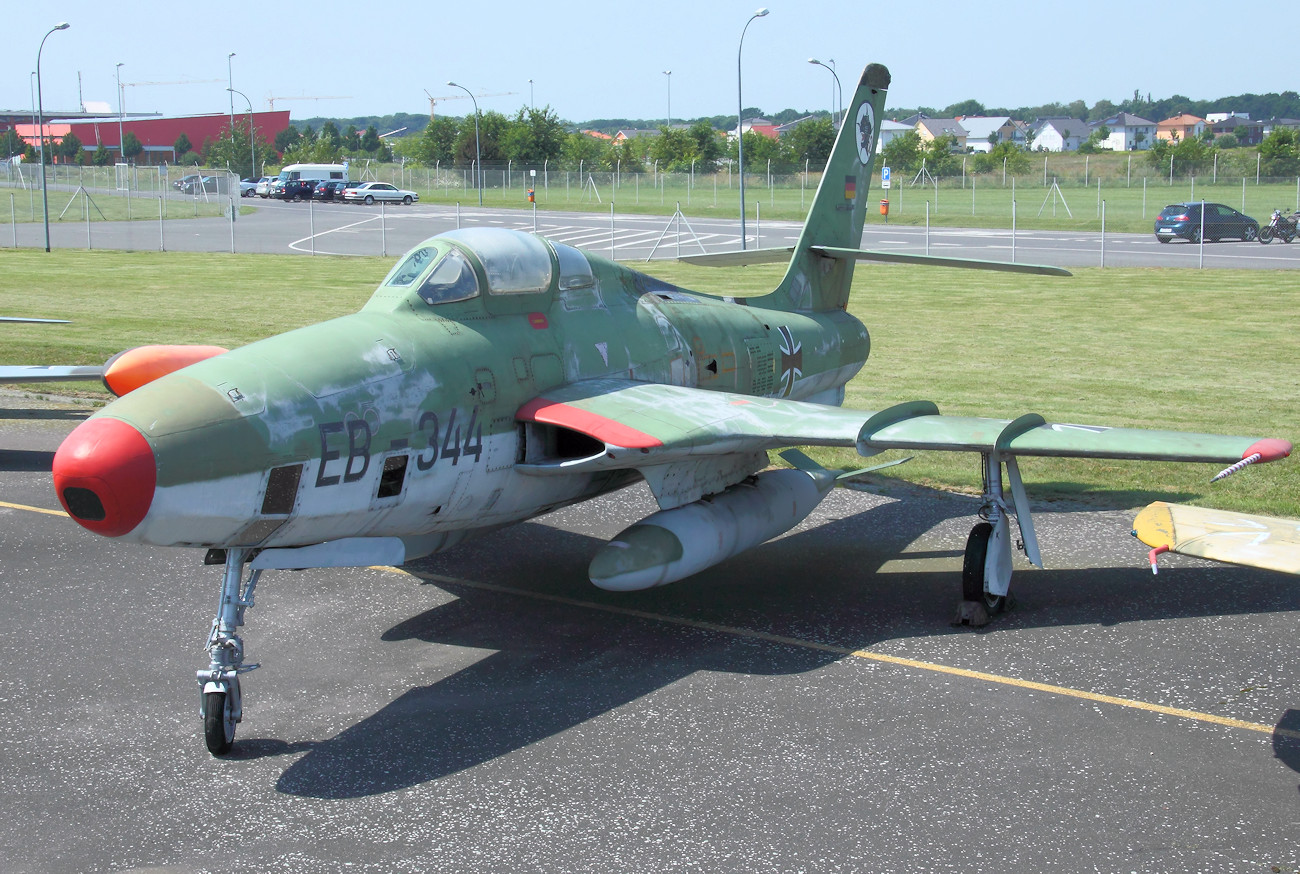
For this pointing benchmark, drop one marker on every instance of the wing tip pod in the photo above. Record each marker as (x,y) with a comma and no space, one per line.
(1260,452)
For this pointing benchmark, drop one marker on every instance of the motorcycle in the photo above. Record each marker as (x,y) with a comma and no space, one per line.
(1280,226)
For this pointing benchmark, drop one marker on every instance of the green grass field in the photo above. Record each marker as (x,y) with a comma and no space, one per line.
(1190,350)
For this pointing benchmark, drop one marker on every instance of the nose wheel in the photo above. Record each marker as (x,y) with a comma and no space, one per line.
(220,698)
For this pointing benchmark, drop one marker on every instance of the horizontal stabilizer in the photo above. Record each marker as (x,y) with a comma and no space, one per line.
(740,258)
(936,261)
(1255,541)
(37,373)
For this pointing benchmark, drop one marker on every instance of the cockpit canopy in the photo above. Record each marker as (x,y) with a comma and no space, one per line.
(514,263)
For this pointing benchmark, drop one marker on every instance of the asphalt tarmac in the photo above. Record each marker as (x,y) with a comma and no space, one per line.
(275,227)
(805,706)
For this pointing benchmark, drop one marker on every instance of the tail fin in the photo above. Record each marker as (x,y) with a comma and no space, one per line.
(814,280)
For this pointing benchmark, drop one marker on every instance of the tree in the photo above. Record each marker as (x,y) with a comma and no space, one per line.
(233,151)
(436,145)
(102,157)
(131,145)
(70,148)
(11,144)
(965,107)
(1093,143)
(351,140)
(182,145)
(329,134)
(534,136)
(811,141)
(1016,161)
(582,150)
(287,139)
(1279,153)
(371,142)
(903,153)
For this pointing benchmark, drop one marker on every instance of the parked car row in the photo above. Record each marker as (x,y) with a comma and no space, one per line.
(195,183)
(337,189)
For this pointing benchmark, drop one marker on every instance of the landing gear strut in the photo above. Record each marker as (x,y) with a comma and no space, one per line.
(220,703)
(986,566)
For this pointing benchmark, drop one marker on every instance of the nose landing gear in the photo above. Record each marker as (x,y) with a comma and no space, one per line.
(220,701)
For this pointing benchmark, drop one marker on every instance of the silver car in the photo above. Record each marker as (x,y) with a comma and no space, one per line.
(369,192)
(263,188)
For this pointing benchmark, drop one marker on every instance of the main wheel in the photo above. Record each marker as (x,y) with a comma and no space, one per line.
(370,200)
(218,723)
(407,200)
(1250,233)
(1196,236)
(972,570)
(1266,234)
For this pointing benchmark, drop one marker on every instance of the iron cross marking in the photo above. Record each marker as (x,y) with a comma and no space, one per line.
(791,359)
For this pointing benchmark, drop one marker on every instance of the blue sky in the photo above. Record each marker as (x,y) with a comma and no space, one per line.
(606,59)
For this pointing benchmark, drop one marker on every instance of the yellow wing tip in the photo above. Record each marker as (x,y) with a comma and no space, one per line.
(1154,524)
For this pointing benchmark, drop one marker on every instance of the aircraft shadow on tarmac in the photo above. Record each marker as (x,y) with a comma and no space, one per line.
(557,665)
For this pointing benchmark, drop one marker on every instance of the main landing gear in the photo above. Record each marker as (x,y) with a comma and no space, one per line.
(986,566)
(220,702)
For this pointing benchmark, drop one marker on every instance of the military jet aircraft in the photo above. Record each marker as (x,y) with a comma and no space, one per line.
(494,376)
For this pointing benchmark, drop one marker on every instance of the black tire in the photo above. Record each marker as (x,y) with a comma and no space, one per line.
(407,200)
(1289,236)
(1266,234)
(1195,237)
(370,200)
(1251,233)
(972,570)
(218,726)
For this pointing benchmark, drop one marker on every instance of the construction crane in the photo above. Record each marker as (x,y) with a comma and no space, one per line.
(179,82)
(434,100)
(270,101)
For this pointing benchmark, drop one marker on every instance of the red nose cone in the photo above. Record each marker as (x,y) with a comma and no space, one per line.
(104,475)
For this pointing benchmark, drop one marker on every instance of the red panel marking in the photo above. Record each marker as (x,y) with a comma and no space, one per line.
(538,320)
(601,427)
(740,403)
(113,460)
(1269,449)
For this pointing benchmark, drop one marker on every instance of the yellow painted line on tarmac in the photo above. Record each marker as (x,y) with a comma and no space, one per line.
(867,654)
(33,509)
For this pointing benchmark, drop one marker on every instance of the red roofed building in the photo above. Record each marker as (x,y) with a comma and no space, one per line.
(158,135)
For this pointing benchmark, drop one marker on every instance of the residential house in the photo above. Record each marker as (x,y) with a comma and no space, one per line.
(1059,134)
(983,132)
(931,129)
(1180,127)
(889,131)
(635,134)
(1128,132)
(1247,132)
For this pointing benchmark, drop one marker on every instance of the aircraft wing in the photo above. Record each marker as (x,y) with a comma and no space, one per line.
(644,424)
(1239,538)
(38,373)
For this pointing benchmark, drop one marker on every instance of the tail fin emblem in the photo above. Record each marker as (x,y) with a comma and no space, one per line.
(866,132)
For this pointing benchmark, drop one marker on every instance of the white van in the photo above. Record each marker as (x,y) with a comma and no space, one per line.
(296,181)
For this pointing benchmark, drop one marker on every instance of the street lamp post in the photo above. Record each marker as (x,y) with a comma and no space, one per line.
(40,132)
(740,123)
(252,149)
(120,142)
(531,104)
(837,90)
(669,74)
(230,86)
(478,152)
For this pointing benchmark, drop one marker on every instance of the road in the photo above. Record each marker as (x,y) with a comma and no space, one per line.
(803,707)
(345,229)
